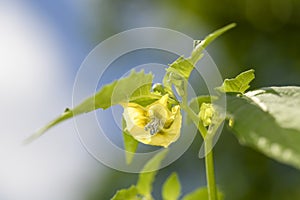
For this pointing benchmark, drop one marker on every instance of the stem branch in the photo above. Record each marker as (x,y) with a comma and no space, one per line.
(209,160)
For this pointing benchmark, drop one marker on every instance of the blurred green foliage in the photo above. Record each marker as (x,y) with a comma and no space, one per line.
(267,39)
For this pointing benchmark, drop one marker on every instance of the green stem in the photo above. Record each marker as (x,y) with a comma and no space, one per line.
(209,159)
(210,173)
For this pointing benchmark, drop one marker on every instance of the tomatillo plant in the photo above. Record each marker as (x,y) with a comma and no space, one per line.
(152,115)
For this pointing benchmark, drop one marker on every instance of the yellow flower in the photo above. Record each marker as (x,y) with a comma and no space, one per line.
(154,124)
(206,113)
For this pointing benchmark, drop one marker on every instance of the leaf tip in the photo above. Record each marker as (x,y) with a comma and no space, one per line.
(232,25)
(30,139)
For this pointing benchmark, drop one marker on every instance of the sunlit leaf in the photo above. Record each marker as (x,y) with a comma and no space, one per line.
(179,71)
(171,188)
(239,84)
(200,45)
(135,87)
(147,175)
(184,66)
(201,194)
(268,120)
(127,194)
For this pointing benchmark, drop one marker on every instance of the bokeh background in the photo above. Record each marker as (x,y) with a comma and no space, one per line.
(43,43)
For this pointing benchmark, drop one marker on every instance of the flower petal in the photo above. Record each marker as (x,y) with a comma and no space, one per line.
(134,115)
(168,135)
(143,123)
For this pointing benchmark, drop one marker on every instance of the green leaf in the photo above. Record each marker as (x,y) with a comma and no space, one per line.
(201,194)
(238,84)
(115,93)
(184,67)
(143,188)
(268,121)
(171,188)
(127,194)
(180,70)
(130,144)
(202,44)
(147,175)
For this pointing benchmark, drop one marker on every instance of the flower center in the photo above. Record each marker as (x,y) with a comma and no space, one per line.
(157,114)
(154,125)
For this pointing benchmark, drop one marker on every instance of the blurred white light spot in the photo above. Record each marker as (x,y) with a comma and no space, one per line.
(287,154)
(276,149)
(262,142)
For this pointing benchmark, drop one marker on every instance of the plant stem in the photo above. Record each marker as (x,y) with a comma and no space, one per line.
(209,160)
(210,173)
